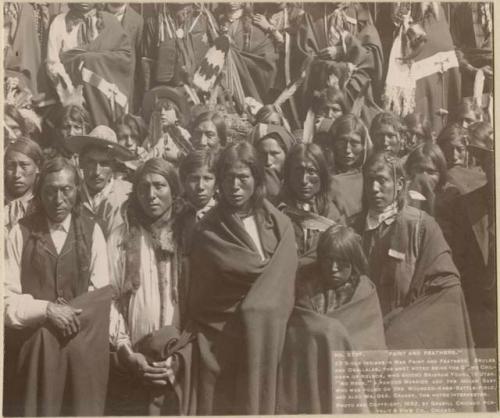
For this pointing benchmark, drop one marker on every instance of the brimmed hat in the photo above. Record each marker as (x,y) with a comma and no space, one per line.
(176,95)
(101,137)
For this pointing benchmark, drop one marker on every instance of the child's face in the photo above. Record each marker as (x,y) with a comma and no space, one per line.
(335,272)
(199,187)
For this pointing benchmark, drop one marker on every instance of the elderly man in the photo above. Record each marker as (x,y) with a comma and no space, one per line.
(57,334)
(102,194)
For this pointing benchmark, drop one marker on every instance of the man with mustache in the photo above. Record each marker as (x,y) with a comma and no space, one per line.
(102,194)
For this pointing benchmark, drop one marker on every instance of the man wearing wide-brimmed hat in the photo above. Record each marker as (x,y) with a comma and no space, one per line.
(102,193)
(473,240)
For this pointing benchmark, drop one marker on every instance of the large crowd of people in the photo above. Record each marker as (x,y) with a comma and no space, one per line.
(204,201)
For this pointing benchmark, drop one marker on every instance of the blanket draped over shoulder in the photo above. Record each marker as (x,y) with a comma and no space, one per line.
(105,66)
(52,377)
(239,306)
(308,366)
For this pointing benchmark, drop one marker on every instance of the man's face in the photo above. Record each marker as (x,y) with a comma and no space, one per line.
(348,151)
(127,138)
(199,187)
(97,167)
(455,153)
(238,186)
(13,129)
(20,173)
(305,181)
(426,168)
(386,138)
(58,194)
(81,7)
(154,195)
(205,136)
(72,128)
(381,188)
(272,155)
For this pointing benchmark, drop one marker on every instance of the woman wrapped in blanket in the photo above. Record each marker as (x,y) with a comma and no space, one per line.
(336,309)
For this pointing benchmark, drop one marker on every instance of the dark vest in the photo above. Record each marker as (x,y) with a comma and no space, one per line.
(46,275)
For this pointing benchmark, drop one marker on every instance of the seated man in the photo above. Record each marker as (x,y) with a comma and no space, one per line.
(102,194)
(57,337)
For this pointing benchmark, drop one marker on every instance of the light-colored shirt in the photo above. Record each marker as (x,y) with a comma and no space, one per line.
(387,216)
(119,13)
(21,309)
(250,226)
(16,209)
(94,201)
(59,232)
(142,314)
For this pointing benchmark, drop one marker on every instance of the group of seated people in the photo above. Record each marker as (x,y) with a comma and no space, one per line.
(206,259)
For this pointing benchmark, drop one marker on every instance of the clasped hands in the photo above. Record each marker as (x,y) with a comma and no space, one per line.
(153,373)
(64,318)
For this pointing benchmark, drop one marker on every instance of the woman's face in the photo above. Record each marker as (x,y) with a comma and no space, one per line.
(128,138)
(199,187)
(335,272)
(205,136)
(455,153)
(348,151)
(429,169)
(168,112)
(272,155)
(20,173)
(154,195)
(305,182)
(238,186)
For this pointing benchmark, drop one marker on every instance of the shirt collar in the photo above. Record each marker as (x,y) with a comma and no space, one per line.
(119,12)
(387,216)
(24,200)
(95,200)
(60,226)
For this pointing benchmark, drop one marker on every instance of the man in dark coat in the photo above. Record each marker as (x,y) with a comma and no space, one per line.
(57,334)
(473,242)
(133,24)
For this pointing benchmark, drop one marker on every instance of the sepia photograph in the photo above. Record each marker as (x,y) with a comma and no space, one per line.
(249,208)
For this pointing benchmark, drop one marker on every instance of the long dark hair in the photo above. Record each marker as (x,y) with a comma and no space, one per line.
(342,243)
(432,152)
(245,153)
(313,153)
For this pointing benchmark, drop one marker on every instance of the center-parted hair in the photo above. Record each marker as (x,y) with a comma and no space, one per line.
(432,152)
(383,159)
(217,120)
(245,153)
(313,153)
(351,124)
(136,125)
(340,242)
(196,160)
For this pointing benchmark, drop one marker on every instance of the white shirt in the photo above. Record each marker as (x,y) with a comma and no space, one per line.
(59,232)
(22,310)
(251,227)
(94,201)
(142,315)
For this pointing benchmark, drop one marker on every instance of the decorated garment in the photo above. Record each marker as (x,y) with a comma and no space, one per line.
(96,53)
(176,50)
(148,299)
(15,209)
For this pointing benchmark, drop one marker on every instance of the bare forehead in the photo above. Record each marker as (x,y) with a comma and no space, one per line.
(61,178)
(379,169)
(152,178)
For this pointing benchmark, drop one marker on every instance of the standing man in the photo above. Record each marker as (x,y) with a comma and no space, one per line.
(473,241)
(102,194)
(133,24)
(385,131)
(57,335)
